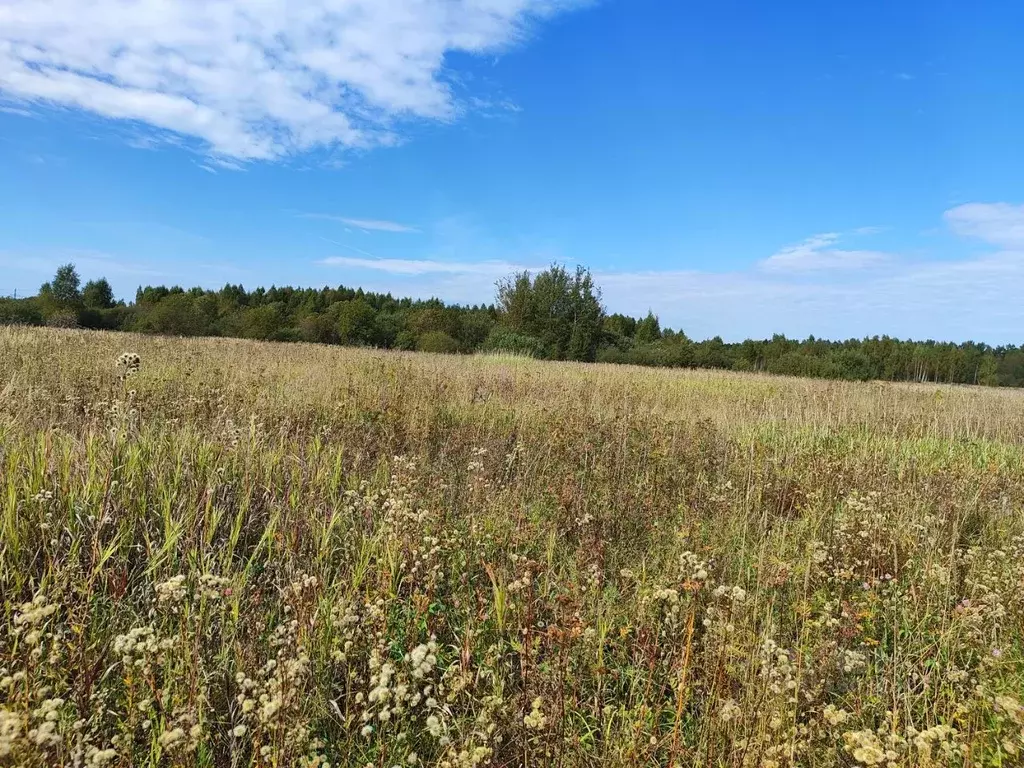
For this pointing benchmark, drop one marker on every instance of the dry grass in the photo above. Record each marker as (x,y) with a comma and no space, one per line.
(249,554)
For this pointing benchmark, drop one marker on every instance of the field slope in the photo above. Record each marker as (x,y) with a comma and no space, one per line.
(248,554)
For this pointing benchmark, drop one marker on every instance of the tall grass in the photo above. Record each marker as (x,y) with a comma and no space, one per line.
(249,554)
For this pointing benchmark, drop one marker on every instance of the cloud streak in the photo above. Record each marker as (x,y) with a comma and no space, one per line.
(813,287)
(492,269)
(374,225)
(256,81)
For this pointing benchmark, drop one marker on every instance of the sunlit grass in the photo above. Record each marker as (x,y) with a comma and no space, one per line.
(253,554)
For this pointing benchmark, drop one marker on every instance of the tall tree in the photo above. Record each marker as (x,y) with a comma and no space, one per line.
(98,294)
(64,287)
(648,330)
(561,310)
(60,299)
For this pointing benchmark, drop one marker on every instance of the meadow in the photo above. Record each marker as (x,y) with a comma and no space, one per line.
(234,553)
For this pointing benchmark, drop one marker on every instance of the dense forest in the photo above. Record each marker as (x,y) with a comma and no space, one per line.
(556,315)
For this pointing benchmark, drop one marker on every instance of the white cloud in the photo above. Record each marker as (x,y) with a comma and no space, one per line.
(492,269)
(949,300)
(1000,224)
(255,80)
(957,300)
(954,300)
(25,269)
(377,225)
(816,253)
(36,266)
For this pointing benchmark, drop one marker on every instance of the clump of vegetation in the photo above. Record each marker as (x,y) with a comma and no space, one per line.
(277,555)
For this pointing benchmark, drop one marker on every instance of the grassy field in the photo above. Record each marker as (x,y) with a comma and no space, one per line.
(273,555)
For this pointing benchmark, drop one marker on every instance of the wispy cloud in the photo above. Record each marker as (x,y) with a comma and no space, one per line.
(376,225)
(257,81)
(44,262)
(955,299)
(817,253)
(147,233)
(25,269)
(491,269)
(1000,224)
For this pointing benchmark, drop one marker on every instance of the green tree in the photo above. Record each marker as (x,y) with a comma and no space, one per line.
(98,294)
(648,330)
(65,286)
(61,298)
(318,328)
(174,316)
(712,353)
(561,309)
(355,322)
(262,322)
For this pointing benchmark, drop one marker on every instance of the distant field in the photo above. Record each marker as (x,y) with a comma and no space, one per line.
(249,554)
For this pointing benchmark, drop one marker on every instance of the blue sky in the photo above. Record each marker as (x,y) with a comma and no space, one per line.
(741,168)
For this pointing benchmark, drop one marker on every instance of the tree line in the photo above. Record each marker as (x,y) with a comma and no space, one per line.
(556,314)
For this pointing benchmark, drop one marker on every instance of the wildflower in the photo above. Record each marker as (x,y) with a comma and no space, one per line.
(937,735)
(854,661)
(434,726)
(730,711)
(536,719)
(865,747)
(834,715)
(171,591)
(35,612)
(11,726)
(171,738)
(1011,707)
(128,364)
(103,756)
(422,659)
(45,734)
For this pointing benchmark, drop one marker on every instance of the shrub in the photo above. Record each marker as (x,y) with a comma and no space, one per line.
(20,312)
(504,340)
(437,341)
(63,319)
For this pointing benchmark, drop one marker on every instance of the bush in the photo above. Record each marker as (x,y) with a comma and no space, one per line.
(437,341)
(20,312)
(613,355)
(405,341)
(286,334)
(852,365)
(504,340)
(64,318)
